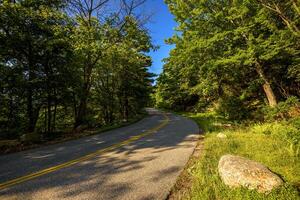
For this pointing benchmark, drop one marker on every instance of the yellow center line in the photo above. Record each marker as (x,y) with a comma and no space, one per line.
(83,158)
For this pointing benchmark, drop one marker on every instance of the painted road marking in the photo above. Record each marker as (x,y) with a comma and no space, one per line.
(83,158)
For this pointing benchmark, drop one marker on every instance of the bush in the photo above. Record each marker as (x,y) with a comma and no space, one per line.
(8,144)
(286,131)
(233,108)
(33,137)
(284,110)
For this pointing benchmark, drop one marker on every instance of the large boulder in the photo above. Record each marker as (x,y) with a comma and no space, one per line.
(236,171)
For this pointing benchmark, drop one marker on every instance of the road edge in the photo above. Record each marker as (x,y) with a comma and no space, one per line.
(184,179)
(75,137)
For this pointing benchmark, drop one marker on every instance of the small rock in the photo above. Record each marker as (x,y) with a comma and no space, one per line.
(238,171)
(227,125)
(221,135)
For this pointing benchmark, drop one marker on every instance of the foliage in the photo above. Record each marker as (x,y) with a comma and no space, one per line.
(62,69)
(208,121)
(35,56)
(239,54)
(241,60)
(287,132)
(233,108)
(31,138)
(284,110)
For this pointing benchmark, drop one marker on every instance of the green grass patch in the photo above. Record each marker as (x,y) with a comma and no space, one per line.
(275,145)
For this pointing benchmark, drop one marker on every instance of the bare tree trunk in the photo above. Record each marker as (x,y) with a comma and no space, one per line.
(270,94)
(266,86)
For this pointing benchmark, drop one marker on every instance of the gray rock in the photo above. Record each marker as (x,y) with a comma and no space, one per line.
(236,171)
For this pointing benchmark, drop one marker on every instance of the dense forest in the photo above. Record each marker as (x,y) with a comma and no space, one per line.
(239,57)
(70,64)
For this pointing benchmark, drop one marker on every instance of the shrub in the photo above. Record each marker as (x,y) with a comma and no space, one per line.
(8,144)
(233,108)
(33,137)
(286,131)
(284,110)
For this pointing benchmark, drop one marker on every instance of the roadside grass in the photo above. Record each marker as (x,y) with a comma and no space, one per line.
(274,144)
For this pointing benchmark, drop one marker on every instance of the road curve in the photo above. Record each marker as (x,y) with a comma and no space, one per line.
(145,166)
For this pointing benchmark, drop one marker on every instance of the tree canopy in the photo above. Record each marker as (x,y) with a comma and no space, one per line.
(68,64)
(239,52)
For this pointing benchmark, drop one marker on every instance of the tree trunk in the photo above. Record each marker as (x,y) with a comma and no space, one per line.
(81,114)
(11,111)
(49,112)
(30,112)
(54,116)
(74,106)
(266,86)
(45,119)
(270,94)
(126,108)
(81,111)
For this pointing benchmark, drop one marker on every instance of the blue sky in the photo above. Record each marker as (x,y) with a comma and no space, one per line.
(161,27)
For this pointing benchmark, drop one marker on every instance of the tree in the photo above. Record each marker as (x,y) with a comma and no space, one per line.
(287,10)
(228,49)
(91,41)
(34,45)
(122,80)
(71,63)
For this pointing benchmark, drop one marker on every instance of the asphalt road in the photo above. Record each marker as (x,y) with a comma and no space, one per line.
(103,166)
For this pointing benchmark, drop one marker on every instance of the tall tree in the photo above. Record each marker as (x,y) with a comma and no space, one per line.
(91,41)
(71,63)
(32,43)
(228,49)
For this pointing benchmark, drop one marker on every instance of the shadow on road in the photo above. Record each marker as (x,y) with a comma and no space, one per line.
(144,163)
